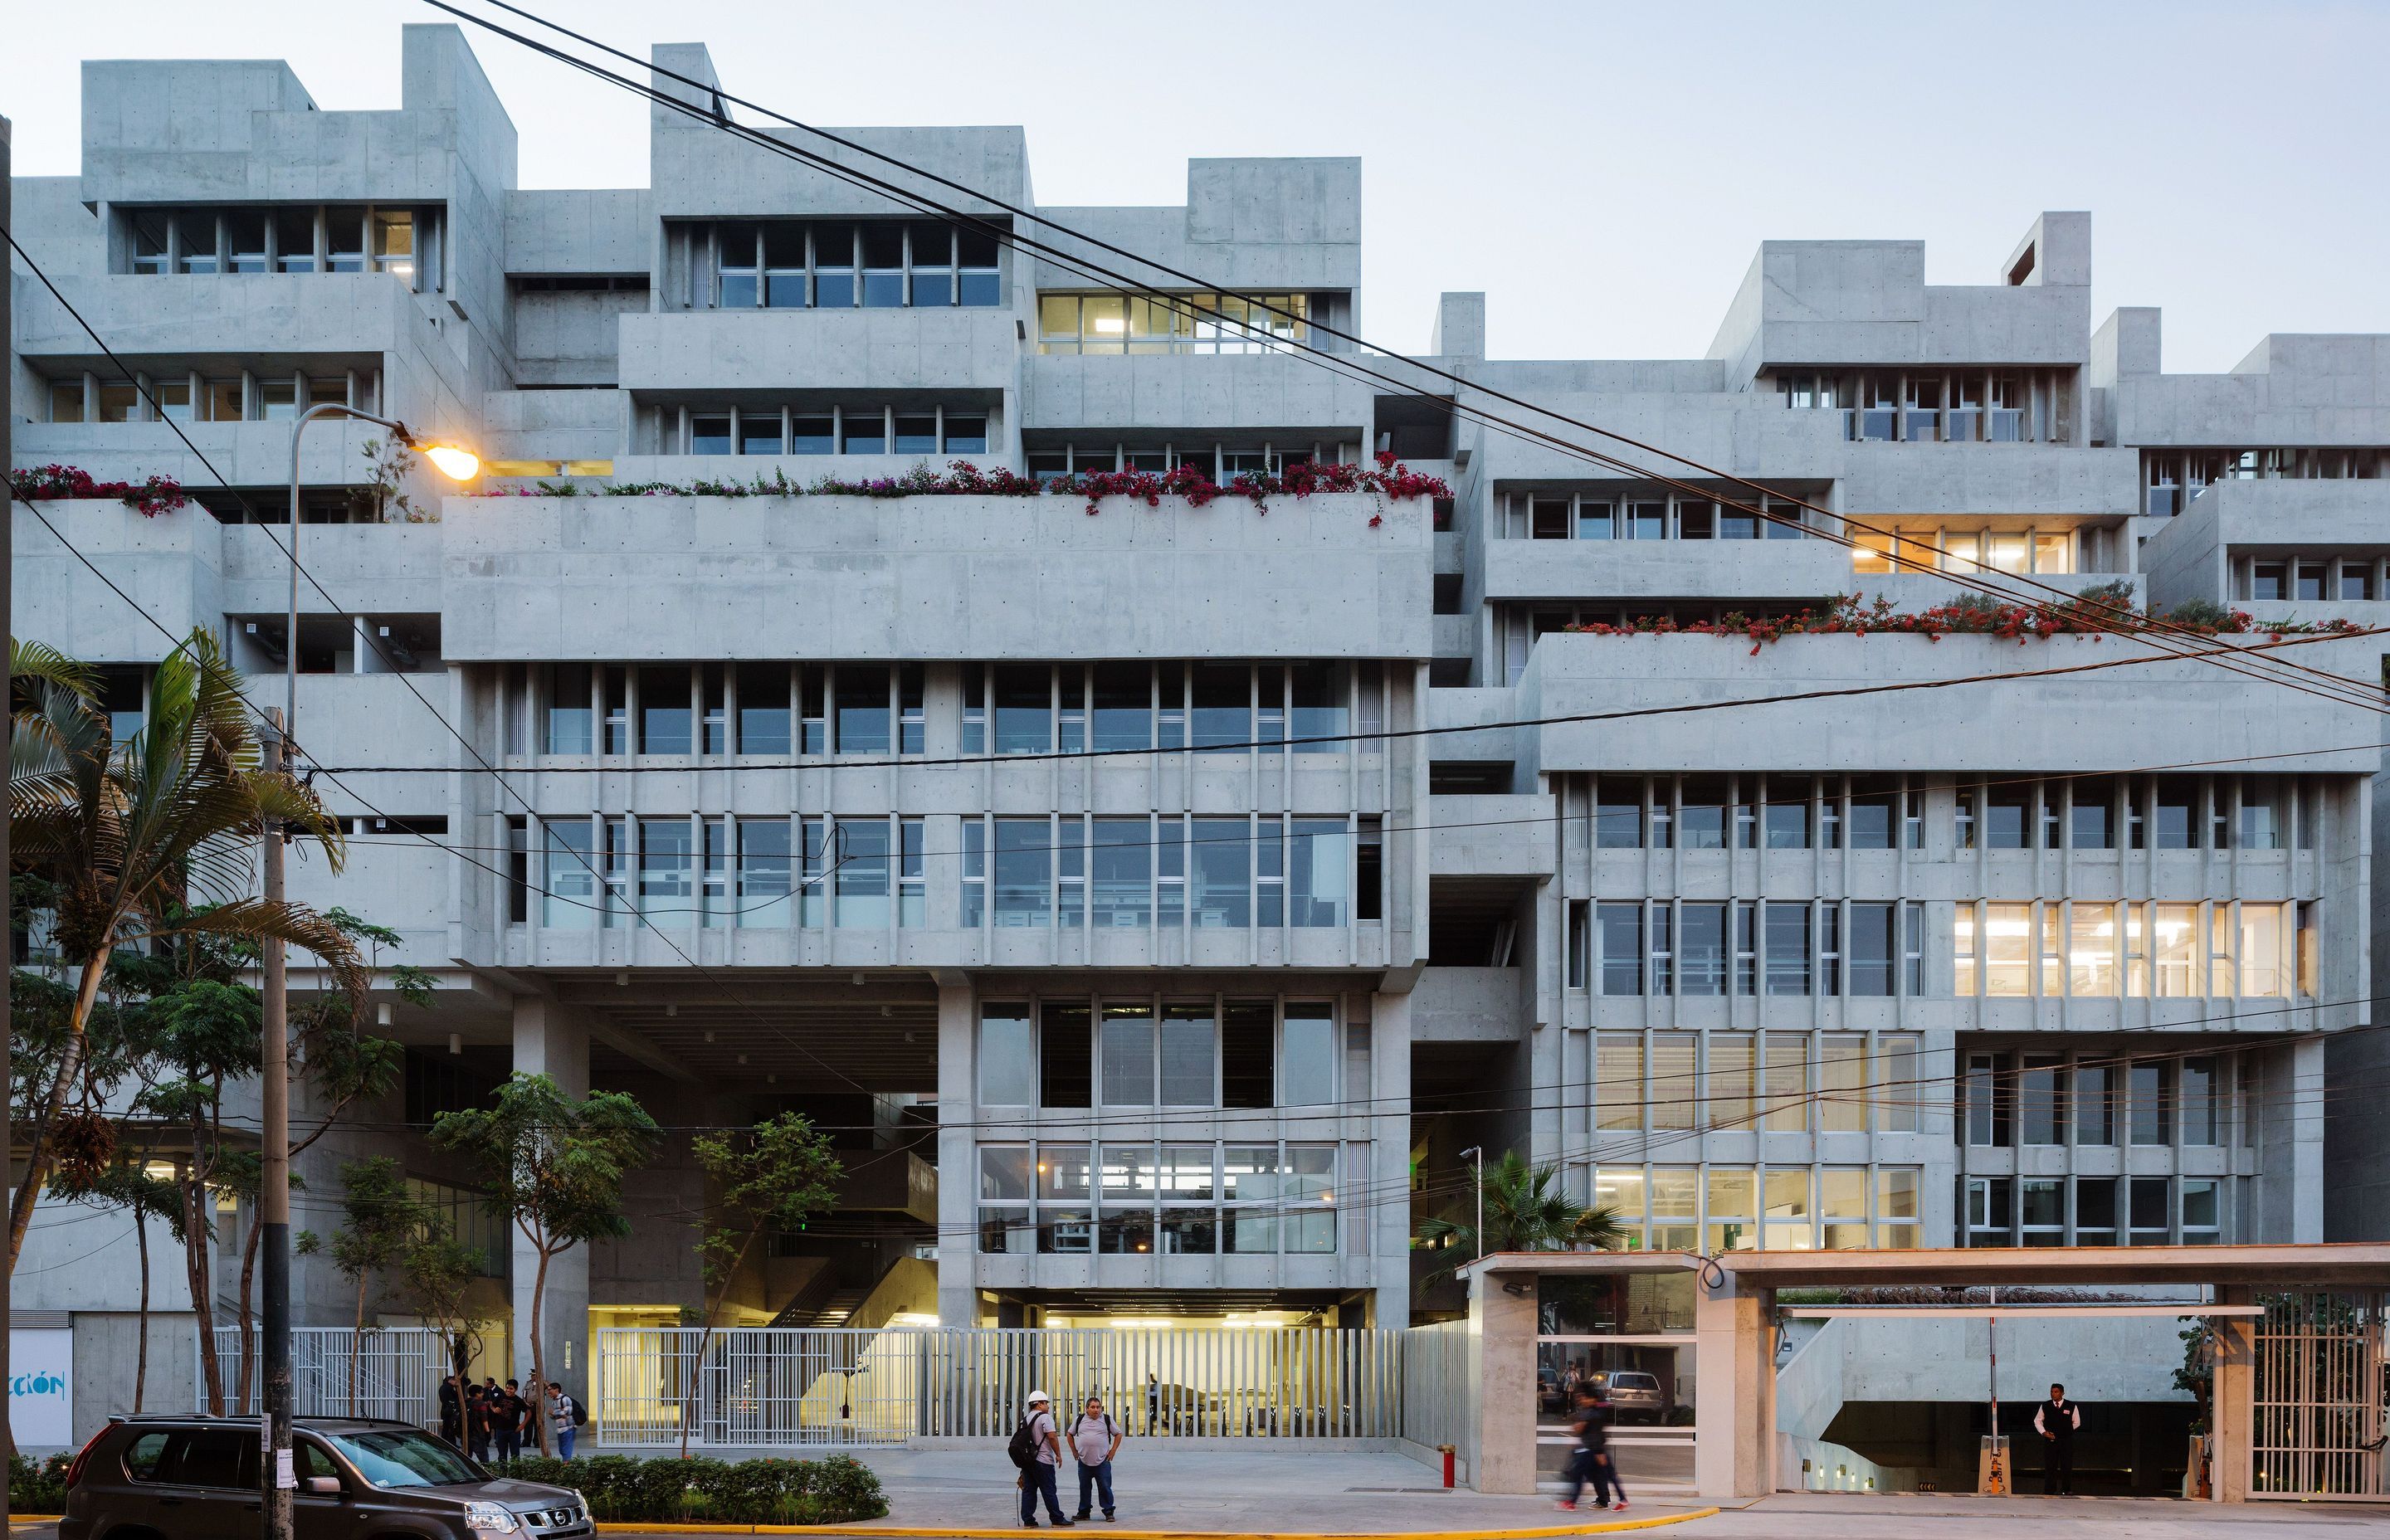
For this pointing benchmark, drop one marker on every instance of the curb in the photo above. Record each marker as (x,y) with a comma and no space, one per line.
(934,1533)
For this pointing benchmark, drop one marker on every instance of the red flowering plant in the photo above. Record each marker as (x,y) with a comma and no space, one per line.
(964,479)
(2093,612)
(52,483)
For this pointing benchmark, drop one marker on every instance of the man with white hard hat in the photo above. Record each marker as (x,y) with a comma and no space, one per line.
(1036,1451)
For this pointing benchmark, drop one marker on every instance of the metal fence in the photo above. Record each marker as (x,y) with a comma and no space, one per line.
(1439,1394)
(396,1371)
(762,1387)
(2322,1393)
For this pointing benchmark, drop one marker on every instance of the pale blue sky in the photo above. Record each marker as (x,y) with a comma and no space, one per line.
(1603,172)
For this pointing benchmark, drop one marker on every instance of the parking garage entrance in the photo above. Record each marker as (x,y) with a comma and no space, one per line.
(2284,1348)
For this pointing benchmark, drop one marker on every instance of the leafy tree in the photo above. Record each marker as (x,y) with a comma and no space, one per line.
(554,1167)
(1525,1210)
(342,1067)
(151,841)
(768,1177)
(436,1278)
(380,1220)
(210,1037)
(130,1185)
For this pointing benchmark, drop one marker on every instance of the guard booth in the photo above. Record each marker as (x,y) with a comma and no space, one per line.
(2301,1385)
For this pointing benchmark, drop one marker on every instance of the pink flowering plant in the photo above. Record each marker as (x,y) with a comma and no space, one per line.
(54,484)
(2093,612)
(1387,479)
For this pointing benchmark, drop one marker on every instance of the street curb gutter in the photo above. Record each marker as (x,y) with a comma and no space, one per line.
(888,1531)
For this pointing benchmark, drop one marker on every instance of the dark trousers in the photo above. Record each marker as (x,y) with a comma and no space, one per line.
(479,1444)
(1036,1479)
(1587,1465)
(509,1443)
(2057,1467)
(1099,1477)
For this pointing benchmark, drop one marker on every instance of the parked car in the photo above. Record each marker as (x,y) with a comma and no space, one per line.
(196,1477)
(1637,1396)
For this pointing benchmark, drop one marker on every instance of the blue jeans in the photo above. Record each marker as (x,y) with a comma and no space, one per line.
(564,1443)
(1100,1478)
(1036,1479)
(509,1443)
(1599,1469)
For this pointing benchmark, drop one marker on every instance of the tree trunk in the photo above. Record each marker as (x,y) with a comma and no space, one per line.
(248,1276)
(357,1343)
(195,1265)
(705,1343)
(538,1361)
(141,1353)
(37,1156)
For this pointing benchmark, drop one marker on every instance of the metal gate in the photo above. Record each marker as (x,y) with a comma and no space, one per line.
(765,1387)
(2322,1396)
(396,1371)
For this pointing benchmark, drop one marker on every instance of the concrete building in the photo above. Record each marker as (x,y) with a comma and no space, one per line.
(1178,1029)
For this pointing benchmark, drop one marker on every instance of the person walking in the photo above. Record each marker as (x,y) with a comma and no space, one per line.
(1036,1450)
(1580,1459)
(1094,1441)
(2056,1420)
(559,1420)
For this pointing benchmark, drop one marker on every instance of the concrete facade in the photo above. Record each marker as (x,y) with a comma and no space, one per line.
(1179,1031)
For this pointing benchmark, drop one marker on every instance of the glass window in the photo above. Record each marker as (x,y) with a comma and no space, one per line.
(569,898)
(978,279)
(1896,1086)
(1024,872)
(835,266)
(1787,927)
(194,235)
(2202,1103)
(1189,1044)
(1223,705)
(665,716)
(1702,818)
(2202,1212)
(1788,1215)
(813,435)
(2178,813)
(2149,1202)
(860,877)
(917,433)
(866,433)
(1871,949)
(736,248)
(863,710)
(759,433)
(1066,1054)
(1841,1083)
(1787,812)
(2095,1104)
(1123,707)
(2041,1106)
(1619,930)
(965,435)
(1221,894)
(1734,1057)
(1024,709)
(1127,1054)
(1618,1081)
(2091,949)
(1007,1062)
(762,708)
(1319,879)
(2264,959)
(393,238)
(932,252)
(1702,949)
(883,264)
(1618,811)
(2041,1211)
(764,873)
(709,433)
(2149,1105)
(2176,939)
(278,400)
(1786,1077)
(1121,854)
(1308,1061)
(2008,968)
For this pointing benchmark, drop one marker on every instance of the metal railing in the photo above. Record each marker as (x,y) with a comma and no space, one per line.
(765,1387)
(396,1371)
(2322,1380)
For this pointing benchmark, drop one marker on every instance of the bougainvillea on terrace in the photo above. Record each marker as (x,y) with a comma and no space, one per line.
(1388,478)
(52,483)
(2095,612)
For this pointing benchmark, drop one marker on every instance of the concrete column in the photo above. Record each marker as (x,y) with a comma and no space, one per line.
(1501,1452)
(552,1039)
(2232,1437)
(958,1152)
(1734,1434)
(1388,1221)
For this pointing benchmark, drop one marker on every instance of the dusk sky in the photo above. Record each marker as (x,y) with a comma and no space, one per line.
(1604,172)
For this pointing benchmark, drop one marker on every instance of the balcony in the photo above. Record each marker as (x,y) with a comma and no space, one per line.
(2176,711)
(1469,1005)
(932,578)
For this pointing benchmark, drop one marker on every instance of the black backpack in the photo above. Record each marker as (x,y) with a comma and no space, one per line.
(579,1413)
(1024,1447)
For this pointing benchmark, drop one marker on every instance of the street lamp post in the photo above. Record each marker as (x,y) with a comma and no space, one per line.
(1475,1156)
(276,1480)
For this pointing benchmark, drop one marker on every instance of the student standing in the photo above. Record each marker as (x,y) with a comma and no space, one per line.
(560,1419)
(477,1422)
(1094,1441)
(1041,1465)
(2056,1420)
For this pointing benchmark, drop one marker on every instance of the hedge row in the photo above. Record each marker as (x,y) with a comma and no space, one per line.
(620,1489)
(38,1488)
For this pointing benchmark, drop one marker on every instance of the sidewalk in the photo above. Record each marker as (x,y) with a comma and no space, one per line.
(1222,1492)
(1849,1516)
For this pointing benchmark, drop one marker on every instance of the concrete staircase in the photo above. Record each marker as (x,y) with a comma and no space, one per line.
(833,1309)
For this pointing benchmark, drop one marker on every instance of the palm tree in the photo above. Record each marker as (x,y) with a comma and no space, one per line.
(150,840)
(1525,1210)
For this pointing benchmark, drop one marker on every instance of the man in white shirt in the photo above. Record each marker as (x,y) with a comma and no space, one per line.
(1094,1438)
(2056,1421)
(1038,1476)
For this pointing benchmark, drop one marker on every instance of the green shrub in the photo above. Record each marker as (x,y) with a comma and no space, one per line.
(38,1488)
(624,1489)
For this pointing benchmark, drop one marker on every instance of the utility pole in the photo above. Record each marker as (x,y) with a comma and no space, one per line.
(275,1477)
(7,633)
